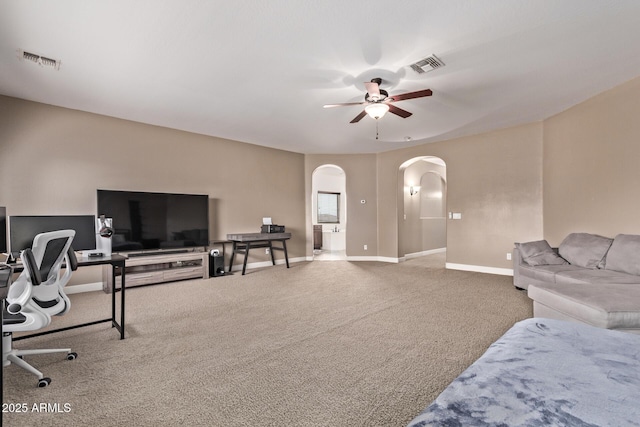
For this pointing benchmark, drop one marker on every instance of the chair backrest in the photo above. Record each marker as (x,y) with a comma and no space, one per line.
(50,250)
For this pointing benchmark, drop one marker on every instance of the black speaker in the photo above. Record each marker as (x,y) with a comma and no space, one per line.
(216,265)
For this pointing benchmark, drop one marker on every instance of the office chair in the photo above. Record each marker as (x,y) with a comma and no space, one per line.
(37,294)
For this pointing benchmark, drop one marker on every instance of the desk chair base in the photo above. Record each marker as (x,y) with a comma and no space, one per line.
(15,356)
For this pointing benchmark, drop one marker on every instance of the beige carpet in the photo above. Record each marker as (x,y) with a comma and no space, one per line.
(319,344)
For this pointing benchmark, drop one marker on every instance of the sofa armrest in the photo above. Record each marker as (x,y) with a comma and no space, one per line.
(518,281)
(517,261)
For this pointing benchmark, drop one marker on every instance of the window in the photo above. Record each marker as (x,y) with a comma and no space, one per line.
(328,207)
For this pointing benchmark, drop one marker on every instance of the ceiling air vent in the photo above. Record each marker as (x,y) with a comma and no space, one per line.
(43,61)
(429,63)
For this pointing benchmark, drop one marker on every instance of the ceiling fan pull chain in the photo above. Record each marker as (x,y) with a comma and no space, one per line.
(376,129)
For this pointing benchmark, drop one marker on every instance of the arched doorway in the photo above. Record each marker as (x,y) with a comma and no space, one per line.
(422,226)
(329,213)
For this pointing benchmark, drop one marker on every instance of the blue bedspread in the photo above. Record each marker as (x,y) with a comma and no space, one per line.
(545,372)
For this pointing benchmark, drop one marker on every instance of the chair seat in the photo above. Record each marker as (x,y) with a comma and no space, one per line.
(36,295)
(12,319)
(46,304)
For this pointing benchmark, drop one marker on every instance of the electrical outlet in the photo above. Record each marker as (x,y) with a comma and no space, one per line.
(365,247)
(266,251)
(508,256)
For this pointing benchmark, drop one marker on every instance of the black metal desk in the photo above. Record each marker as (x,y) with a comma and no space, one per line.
(243,242)
(117,262)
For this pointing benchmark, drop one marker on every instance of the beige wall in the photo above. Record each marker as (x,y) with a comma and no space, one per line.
(53,159)
(592,166)
(493,179)
(588,157)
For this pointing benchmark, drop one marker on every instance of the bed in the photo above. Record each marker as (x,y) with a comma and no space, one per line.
(545,372)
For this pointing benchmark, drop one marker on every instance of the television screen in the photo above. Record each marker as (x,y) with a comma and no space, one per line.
(3,229)
(143,220)
(23,229)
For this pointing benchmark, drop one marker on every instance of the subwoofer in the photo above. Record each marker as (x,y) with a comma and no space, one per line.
(216,265)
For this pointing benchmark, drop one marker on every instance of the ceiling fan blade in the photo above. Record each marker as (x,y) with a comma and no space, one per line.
(399,111)
(359,117)
(344,104)
(373,89)
(410,95)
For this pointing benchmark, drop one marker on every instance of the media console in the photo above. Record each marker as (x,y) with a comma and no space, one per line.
(143,269)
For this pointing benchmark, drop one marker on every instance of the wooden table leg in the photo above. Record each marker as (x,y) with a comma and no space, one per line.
(246,255)
(233,255)
(273,260)
(286,256)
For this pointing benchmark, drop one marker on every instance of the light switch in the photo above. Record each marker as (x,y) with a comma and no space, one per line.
(457,215)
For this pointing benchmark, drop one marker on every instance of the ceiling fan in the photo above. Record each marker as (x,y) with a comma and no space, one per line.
(378,101)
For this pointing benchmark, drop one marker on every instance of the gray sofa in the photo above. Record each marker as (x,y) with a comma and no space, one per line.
(588,278)
(581,258)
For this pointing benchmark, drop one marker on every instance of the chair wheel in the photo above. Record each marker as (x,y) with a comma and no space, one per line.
(44,382)
(72,356)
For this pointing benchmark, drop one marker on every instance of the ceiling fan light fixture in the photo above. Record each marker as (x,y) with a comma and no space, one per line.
(376,111)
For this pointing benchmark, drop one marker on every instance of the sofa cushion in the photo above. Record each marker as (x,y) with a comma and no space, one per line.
(594,276)
(607,306)
(545,273)
(624,254)
(584,249)
(539,253)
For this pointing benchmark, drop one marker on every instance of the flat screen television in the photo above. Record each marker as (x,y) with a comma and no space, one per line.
(3,229)
(23,229)
(155,221)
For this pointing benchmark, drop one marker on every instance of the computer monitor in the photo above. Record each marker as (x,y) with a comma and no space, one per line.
(3,229)
(23,229)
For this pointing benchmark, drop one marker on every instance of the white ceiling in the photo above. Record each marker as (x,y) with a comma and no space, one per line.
(259,71)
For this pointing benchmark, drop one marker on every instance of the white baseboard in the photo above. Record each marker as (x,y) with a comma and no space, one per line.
(423,253)
(480,269)
(85,287)
(97,286)
(251,265)
(396,260)
(373,258)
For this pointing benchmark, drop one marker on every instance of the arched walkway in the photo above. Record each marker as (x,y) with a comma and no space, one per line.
(422,221)
(329,213)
